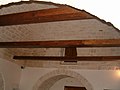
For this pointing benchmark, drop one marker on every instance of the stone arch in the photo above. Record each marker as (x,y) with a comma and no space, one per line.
(1,82)
(46,81)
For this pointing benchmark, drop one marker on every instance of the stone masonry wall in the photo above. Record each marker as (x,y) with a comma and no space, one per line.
(64,30)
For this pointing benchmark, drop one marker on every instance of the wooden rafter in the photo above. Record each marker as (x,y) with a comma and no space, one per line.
(45,15)
(70,52)
(62,43)
(78,58)
(70,55)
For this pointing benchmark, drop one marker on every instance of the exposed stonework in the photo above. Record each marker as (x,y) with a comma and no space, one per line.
(64,30)
(74,30)
(107,65)
(25,6)
(19,32)
(45,82)
(12,33)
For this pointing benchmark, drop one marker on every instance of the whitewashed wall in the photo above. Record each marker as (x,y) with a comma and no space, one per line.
(66,82)
(99,79)
(1,82)
(30,76)
(11,74)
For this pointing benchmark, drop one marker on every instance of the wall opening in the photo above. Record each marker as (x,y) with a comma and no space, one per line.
(48,80)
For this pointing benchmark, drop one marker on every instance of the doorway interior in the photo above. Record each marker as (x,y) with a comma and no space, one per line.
(74,88)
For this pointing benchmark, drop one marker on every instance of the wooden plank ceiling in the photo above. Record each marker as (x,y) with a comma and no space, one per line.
(62,13)
(46,15)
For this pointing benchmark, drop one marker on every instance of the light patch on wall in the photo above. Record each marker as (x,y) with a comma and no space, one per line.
(118,73)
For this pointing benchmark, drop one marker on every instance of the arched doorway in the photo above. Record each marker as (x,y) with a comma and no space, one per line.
(48,80)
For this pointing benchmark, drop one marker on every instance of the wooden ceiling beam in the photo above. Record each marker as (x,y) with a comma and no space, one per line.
(62,43)
(46,15)
(70,52)
(59,58)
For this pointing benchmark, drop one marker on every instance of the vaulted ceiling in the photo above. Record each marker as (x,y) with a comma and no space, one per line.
(40,31)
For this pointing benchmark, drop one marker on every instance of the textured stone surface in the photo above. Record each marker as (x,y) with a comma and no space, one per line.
(19,32)
(74,30)
(24,7)
(64,30)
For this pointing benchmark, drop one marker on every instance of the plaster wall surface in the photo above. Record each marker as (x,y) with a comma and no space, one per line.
(11,74)
(99,79)
(59,85)
(1,82)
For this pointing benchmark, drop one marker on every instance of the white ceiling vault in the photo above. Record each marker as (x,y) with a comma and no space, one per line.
(60,30)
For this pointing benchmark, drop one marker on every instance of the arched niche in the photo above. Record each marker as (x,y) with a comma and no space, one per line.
(46,81)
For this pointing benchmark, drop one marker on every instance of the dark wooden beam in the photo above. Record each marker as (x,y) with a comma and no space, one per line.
(78,58)
(70,52)
(62,43)
(45,15)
